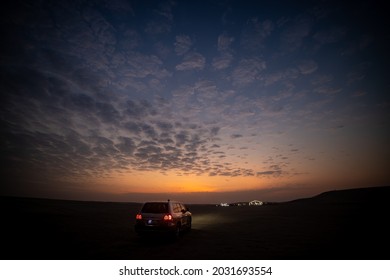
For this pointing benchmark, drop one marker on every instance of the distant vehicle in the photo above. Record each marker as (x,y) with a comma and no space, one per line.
(171,217)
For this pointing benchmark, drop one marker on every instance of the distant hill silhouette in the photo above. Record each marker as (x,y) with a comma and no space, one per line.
(369,195)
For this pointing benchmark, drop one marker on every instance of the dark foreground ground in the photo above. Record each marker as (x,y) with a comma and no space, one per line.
(350,224)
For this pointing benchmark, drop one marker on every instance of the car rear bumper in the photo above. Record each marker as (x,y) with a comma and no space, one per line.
(144,229)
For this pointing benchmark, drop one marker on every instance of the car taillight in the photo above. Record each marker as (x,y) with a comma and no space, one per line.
(138,217)
(168,217)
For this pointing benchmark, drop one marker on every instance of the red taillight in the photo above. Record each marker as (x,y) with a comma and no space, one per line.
(168,217)
(138,217)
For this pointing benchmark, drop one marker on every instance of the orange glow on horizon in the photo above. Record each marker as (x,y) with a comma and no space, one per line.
(155,182)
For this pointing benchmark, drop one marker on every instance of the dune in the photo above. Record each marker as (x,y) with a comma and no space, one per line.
(344,224)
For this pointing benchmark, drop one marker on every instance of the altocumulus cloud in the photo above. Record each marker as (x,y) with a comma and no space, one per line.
(88,135)
(192,61)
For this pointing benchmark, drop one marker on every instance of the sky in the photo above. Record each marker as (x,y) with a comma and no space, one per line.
(203,101)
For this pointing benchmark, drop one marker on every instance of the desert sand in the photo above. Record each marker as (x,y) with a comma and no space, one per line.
(337,225)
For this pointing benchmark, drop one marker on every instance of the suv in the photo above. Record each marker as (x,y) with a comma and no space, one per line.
(170,217)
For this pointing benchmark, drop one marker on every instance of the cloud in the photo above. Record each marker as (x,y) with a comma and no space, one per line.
(223,61)
(214,131)
(235,136)
(224,42)
(139,65)
(137,109)
(149,131)
(192,61)
(225,58)
(126,145)
(107,112)
(89,133)
(151,143)
(69,132)
(274,171)
(181,138)
(265,173)
(183,44)
(230,172)
(285,75)
(247,71)
(165,126)
(307,67)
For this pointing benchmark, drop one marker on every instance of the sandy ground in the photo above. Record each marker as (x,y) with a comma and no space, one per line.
(337,225)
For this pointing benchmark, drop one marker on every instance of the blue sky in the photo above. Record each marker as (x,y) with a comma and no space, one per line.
(200,99)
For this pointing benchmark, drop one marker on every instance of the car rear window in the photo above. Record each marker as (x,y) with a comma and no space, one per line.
(155,207)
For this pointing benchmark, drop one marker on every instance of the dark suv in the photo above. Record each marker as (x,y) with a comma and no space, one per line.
(170,217)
